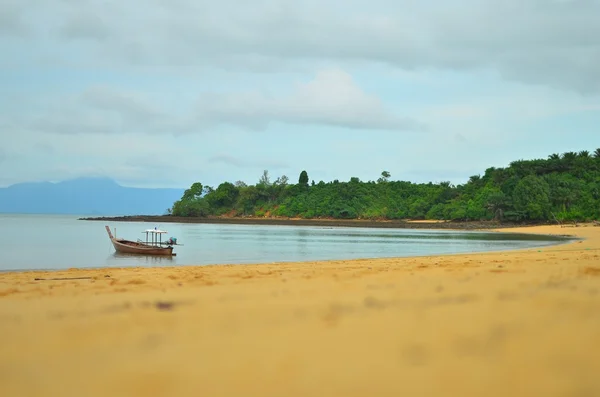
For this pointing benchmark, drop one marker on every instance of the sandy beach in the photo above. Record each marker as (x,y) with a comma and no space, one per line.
(519,323)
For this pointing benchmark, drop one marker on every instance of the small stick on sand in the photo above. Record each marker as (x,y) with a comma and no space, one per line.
(62,278)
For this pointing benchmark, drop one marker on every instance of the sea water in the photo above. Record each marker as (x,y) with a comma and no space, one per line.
(30,242)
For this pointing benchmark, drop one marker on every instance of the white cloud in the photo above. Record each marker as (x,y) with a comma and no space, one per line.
(533,41)
(240,162)
(331,98)
(102,110)
(128,105)
(12,23)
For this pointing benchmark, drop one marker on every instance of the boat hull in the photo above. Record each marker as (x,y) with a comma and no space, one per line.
(131,247)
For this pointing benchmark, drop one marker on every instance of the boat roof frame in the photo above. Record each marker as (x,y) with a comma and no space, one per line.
(156,231)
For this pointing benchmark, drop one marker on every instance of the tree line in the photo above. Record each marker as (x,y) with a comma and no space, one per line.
(562,187)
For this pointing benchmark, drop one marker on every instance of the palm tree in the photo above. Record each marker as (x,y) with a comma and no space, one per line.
(474,179)
(569,156)
(496,203)
(597,153)
(554,163)
(584,154)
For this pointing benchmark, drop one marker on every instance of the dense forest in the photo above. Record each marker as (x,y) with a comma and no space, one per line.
(560,188)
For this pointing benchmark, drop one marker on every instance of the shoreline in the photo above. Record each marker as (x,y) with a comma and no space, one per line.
(518,323)
(363,223)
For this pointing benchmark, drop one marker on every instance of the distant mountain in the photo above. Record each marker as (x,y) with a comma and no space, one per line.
(86,196)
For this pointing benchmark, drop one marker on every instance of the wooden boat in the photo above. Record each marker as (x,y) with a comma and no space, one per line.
(154,246)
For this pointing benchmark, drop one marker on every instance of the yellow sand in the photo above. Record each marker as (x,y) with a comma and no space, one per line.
(524,323)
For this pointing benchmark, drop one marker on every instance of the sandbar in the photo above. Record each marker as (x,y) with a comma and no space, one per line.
(518,323)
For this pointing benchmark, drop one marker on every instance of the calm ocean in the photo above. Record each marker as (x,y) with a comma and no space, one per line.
(62,242)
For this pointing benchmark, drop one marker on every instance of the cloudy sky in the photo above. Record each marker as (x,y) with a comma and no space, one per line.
(163,93)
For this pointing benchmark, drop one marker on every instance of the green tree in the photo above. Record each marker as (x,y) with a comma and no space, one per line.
(282,180)
(496,203)
(223,197)
(563,191)
(303,179)
(265,179)
(247,200)
(191,208)
(194,192)
(474,179)
(190,203)
(569,157)
(532,197)
(385,177)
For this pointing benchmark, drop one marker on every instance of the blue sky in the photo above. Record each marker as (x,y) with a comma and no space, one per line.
(166,93)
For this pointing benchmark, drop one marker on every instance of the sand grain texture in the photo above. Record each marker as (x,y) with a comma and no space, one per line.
(522,323)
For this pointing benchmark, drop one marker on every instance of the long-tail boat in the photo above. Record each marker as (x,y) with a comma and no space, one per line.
(152,246)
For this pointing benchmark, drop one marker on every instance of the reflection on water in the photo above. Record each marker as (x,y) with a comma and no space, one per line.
(119,259)
(303,238)
(63,242)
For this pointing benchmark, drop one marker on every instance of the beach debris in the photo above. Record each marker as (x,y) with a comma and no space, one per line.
(165,306)
(374,303)
(62,278)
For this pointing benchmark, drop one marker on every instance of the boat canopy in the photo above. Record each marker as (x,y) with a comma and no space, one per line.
(155,231)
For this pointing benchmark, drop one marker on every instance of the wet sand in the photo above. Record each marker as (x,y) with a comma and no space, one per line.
(520,323)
